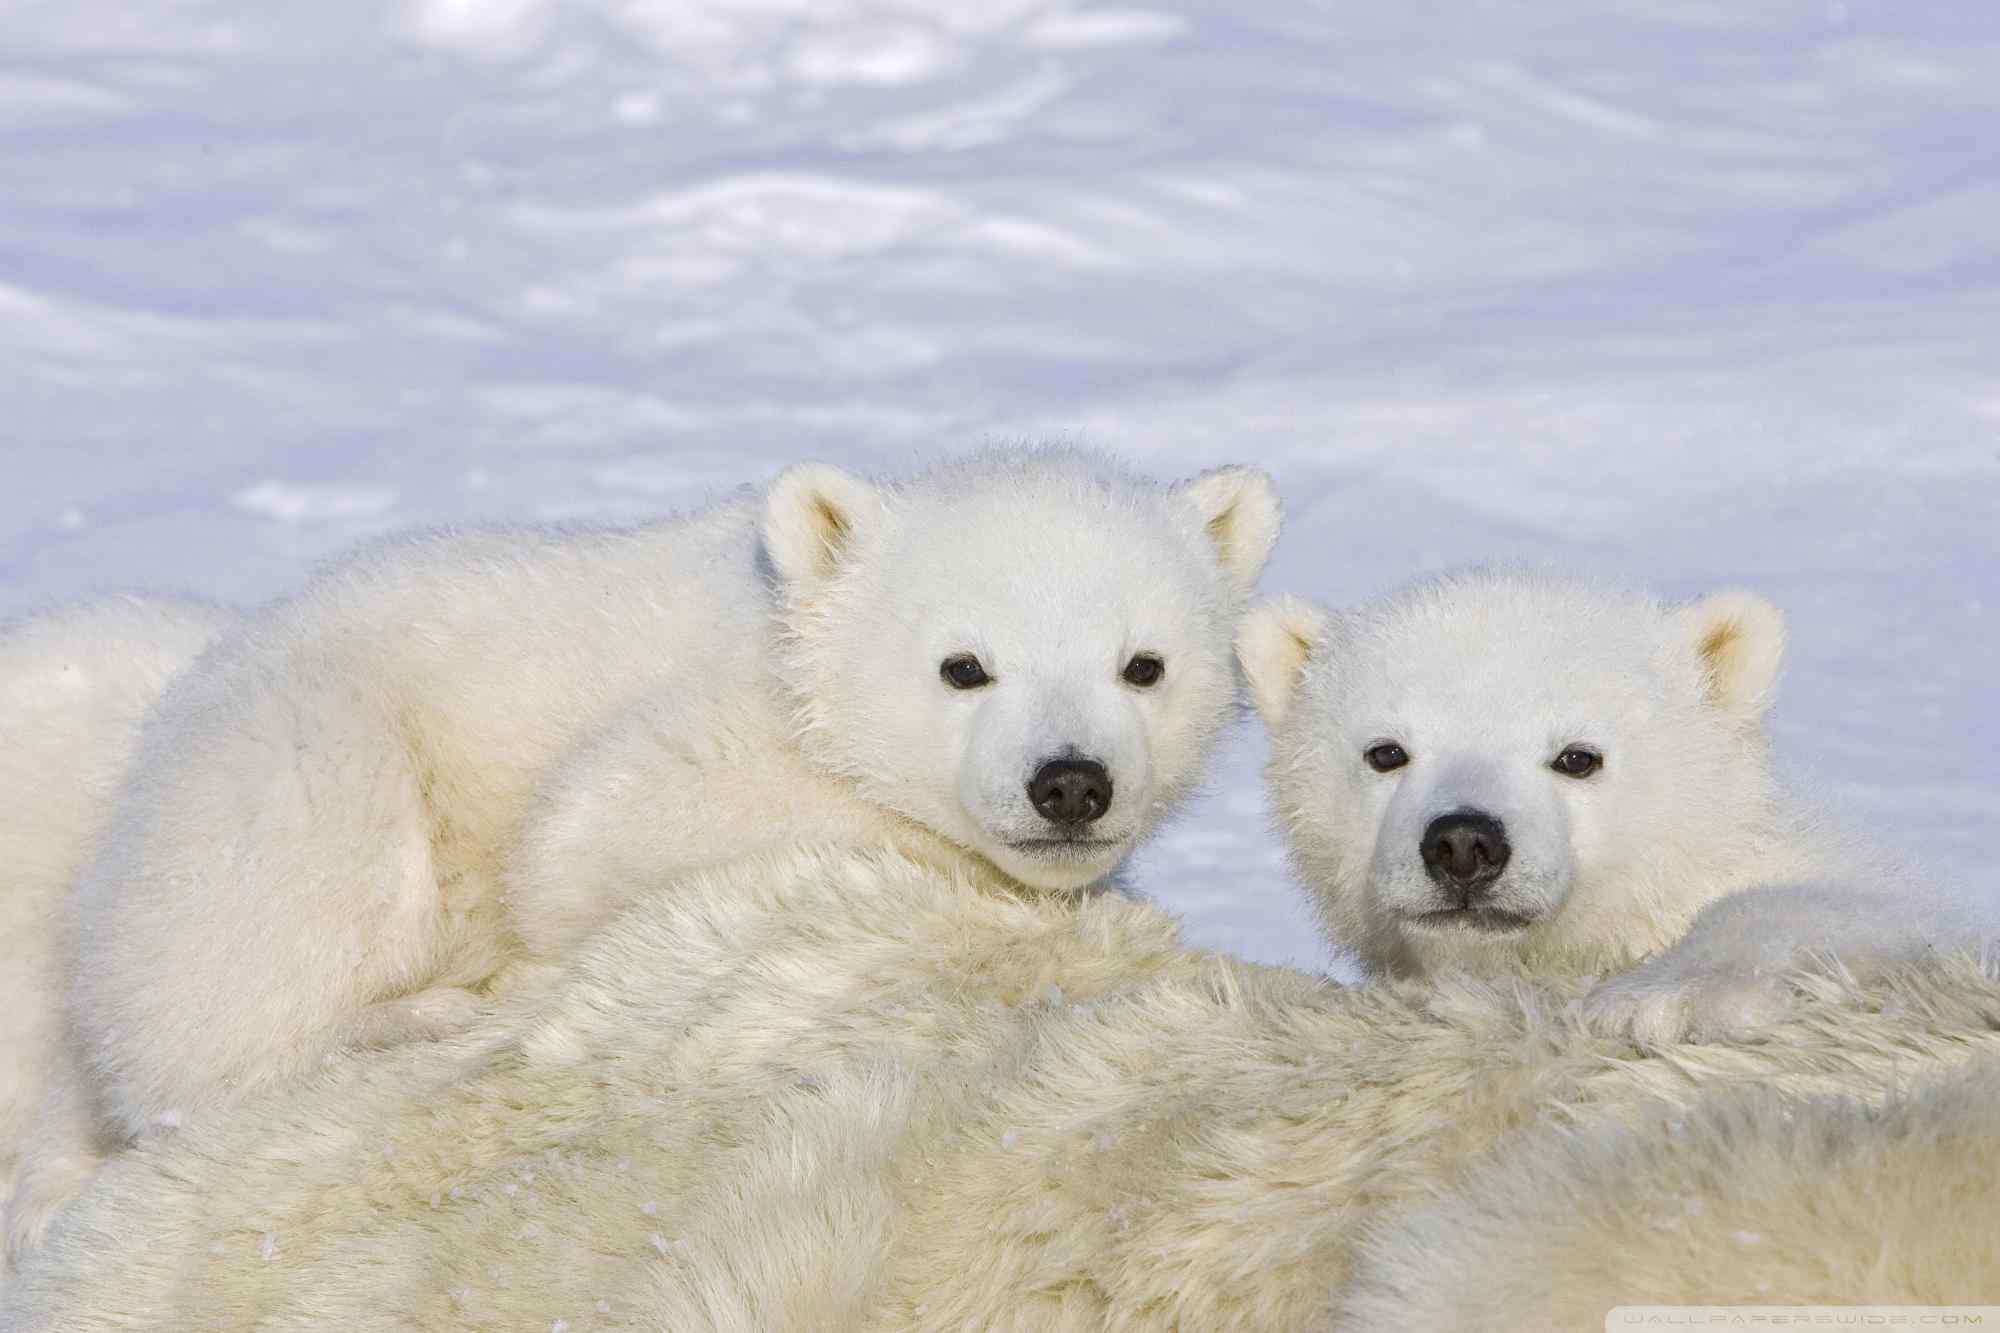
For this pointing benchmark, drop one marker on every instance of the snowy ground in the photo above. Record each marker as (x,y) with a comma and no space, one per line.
(1690,290)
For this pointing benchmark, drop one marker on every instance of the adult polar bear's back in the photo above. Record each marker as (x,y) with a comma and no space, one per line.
(1749,1197)
(851,1092)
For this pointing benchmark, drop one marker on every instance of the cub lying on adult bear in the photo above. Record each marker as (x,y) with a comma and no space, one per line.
(1503,771)
(1011,666)
(825,1092)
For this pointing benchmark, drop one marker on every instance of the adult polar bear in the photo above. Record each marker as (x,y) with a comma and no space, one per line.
(1509,771)
(1749,1197)
(859,1093)
(1011,666)
(74,687)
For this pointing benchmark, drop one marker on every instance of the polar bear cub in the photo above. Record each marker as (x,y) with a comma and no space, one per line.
(1016,668)
(1514,771)
(74,687)
(1013,665)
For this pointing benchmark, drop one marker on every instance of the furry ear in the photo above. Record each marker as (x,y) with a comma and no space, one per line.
(811,514)
(1276,640)
(1238,507)
(1739,639)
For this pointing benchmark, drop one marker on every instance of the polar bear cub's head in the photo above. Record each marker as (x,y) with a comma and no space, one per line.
(1027,652)
(1497,770)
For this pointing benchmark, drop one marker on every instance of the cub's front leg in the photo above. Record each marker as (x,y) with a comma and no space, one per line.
(1733,971)
(672,784)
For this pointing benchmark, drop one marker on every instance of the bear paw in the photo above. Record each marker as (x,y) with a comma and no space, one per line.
(1663,1002)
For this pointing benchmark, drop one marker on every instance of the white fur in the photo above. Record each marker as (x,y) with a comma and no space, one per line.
(1751,1196)
(1484,678)
(316,847)
(1735,968)
(74,685)
(824,1092)
(1049,568)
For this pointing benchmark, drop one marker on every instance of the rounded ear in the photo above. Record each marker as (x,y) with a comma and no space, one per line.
(1739,639)
(811,515)
(1273,646)
(1238,508)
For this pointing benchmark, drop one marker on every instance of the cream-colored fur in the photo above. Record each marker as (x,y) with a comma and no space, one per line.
(1681,849)
(854,1092)
(74,686)
(1749,1197)
(316,846)
(1484,678)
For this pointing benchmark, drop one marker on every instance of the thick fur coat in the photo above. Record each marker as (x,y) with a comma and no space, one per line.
(1751,1196)
(1503,771)
(837,1091)
(418,782)
(75,685)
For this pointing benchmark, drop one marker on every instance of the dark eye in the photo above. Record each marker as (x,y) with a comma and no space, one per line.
(963,672)
(1386,757)
(1577,761)
(1143,670)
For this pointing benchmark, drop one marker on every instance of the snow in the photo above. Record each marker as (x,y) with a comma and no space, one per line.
(1691,292)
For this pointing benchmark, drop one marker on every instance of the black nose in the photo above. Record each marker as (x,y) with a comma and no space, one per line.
(1465,851)
(1071,791)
